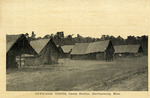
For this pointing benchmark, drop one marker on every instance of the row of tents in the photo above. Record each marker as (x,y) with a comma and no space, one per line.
(20,52)
(101,50)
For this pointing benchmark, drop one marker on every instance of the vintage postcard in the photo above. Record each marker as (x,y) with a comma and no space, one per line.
(74,48)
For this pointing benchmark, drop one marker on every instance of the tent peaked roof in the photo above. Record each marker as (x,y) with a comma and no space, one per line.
(11,39)
(85,48)
(99,46)
(80,48)
(38,45)
(127,48)
(67,48)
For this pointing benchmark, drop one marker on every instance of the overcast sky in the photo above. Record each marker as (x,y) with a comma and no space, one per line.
(85,17)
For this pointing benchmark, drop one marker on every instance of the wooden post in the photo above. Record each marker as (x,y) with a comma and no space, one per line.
(20,60)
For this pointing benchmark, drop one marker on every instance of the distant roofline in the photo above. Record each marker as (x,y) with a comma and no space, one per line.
(41,39)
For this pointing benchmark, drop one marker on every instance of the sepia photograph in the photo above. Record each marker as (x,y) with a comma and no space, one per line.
(75,45)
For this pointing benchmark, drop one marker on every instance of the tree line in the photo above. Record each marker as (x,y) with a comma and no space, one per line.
(60,39)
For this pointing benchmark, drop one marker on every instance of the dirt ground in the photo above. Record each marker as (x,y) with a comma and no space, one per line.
(128,74)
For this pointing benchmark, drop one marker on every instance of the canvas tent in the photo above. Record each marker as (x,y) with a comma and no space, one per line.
(16,45)
(96,50)
(47,52)
(128,50)
(67,50)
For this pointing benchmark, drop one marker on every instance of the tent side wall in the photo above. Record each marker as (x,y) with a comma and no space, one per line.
(91,56)
(124,55)
(79,57)
(100,56)
(97,56)
(66,55)
(117,55)
(32,61)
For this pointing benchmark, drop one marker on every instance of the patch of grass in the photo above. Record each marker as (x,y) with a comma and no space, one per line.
(74,75)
